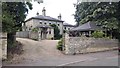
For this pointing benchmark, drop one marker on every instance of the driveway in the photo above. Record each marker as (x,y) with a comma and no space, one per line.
(44,53)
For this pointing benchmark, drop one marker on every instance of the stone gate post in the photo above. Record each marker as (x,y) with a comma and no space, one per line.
(4,45)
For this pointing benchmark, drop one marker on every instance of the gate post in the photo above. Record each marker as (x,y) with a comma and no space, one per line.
(4,46)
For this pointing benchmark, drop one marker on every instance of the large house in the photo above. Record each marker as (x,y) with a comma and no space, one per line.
(68,27)
(42,23)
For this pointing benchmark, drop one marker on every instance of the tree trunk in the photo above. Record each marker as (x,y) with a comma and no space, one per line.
(11,39)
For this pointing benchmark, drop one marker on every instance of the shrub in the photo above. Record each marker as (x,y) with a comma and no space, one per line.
(57,35)
(60,45)
(35,30)
(98,34)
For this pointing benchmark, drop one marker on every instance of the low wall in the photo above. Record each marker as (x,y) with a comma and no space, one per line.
(22,34)
(74,45)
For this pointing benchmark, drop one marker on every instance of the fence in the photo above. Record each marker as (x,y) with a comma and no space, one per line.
(74,45)
(22,34)
(28,34)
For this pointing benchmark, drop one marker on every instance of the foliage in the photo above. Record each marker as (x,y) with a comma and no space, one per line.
(118,17)
(104,14)
(98,34)
(35,29)
(13,15)
(60,45)
(56,32)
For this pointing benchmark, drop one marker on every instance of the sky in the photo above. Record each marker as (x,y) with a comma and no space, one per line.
(54,8)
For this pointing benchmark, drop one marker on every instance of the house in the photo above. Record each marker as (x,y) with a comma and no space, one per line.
(42,23)
(86,29)
(68,27)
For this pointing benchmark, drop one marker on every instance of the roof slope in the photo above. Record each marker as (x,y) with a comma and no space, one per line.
(66,24)
(41,17)
(87,26)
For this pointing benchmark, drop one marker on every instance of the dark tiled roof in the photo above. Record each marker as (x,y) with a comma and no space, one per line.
(66,24)
(87,26)
(41,17)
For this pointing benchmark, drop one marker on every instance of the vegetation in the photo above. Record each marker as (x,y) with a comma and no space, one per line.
(104,14)
(57,35)
(35,29)
(13,15)
(98,34)
(60,45)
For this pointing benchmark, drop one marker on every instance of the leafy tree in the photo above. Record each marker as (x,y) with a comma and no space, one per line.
(56,32)
(13,15)
(103,13)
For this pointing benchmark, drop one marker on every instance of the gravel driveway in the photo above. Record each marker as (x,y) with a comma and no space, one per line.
(44,53)
(34,50)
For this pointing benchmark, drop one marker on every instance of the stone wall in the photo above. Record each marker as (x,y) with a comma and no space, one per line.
(74,45)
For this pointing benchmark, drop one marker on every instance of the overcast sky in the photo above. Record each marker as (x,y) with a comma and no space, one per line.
(54,8)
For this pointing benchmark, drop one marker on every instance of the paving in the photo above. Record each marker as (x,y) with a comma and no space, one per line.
(44,53)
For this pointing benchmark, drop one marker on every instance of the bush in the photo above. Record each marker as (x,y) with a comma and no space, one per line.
(57,35)
(35,30)
(98,34)
(60,45)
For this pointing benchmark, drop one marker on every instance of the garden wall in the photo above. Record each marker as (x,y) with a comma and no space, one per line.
(74,45)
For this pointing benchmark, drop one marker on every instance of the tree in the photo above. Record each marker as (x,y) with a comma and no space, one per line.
(56,32)
(103,13)
(117,15)
(13,15)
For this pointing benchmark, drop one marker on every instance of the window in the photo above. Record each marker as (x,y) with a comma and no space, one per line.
(49,23)
(58,24)
(68,28)
(65,27)
(49,32)
(45,23)
(40,22)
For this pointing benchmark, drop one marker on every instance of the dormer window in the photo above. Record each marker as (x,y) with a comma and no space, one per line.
(45,23)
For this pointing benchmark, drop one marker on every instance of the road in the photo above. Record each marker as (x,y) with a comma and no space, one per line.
(44,53)
(110,61)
